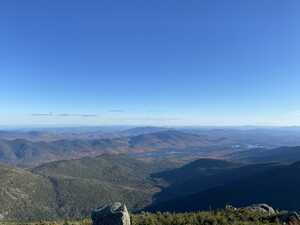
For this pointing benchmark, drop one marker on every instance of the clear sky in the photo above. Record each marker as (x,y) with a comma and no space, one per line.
(154,62)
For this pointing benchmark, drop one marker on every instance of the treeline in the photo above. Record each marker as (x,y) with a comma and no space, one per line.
(218,217)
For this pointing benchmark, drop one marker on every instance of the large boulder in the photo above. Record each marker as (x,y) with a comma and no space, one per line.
(264,208)
(114,214)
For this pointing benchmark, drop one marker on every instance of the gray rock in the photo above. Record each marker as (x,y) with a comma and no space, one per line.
(289,218)
(230,207)
(264,208)
(114,214)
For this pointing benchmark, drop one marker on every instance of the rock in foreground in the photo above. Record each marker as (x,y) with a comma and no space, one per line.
(264,208)
(290,218)
(115,214)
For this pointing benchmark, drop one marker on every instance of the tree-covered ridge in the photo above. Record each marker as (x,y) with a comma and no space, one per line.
(72,188)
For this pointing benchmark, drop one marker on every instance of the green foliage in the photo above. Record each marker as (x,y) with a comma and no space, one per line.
(220,217)
(72,188)
(23,193)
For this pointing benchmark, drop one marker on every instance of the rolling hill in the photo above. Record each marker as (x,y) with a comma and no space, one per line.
(28,153)
(277,186)
(254,145)
(71,188)
(25,195)
(204,174)
(167,139)
(48,135)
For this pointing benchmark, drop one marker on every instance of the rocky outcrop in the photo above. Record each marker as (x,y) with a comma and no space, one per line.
(289,218)
(264,208)
(114,214)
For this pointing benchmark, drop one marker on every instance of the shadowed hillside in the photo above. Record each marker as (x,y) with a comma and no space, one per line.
(203,174)
(278,186)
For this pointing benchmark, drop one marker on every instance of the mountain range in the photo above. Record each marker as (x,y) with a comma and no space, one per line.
(71,188)
(28,153)
(151,169)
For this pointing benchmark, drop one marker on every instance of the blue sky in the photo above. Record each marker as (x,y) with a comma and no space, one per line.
(210,62)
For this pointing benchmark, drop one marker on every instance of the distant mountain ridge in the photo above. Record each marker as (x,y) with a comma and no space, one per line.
(149,142)
(142,130)
(282,154)
(24,152)
(48,136)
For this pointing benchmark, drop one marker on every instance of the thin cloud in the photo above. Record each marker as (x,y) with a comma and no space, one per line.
(86,115)
(63,115)
(42,114)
